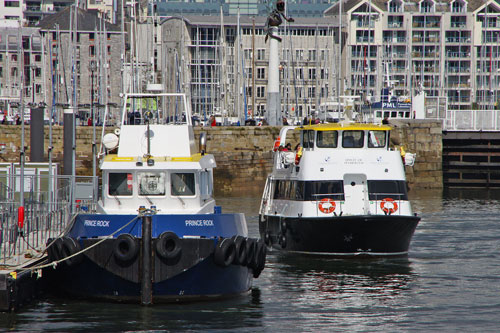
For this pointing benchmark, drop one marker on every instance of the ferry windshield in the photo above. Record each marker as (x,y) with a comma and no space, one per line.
(120,184)
(151,183)
(376,139)
(182,184)
(309,190)
(327,139)
(352,139)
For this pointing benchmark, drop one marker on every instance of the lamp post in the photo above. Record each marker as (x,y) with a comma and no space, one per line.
(93,68)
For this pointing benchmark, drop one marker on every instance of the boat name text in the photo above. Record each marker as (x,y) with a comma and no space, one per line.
(96,223)
(353,161)
(199,223)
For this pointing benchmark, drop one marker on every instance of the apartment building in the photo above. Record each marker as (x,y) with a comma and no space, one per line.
(225,71)
(448,48)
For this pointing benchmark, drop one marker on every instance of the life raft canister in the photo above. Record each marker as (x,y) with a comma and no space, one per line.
(326,205)
(389,206)
(298,155)
(277,143)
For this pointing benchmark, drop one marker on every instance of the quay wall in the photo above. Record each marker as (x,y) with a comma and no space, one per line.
(243,154)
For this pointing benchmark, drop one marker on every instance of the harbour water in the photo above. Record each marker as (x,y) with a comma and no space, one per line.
(450,281)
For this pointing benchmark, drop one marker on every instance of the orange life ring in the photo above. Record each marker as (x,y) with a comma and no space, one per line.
(276,144)
(389,210)
(326,205)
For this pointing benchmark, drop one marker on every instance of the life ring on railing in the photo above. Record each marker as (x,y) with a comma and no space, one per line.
(326,205)
(298,155)
(392,206)
(277,143)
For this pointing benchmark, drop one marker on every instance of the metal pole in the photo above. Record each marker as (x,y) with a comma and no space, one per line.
(146,282)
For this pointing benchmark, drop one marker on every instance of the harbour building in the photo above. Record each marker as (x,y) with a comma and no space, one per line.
(226,64)
(450,49)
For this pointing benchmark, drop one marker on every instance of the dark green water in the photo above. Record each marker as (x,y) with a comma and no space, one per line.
(449,282)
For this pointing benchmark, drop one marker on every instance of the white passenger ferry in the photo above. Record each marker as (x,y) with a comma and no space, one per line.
(343,192)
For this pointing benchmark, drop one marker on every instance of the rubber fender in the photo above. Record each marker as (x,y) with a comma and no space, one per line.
(168,245)
(251,245)
(125,248)
(283,241)
(225,251)
(260,259)
(70,246)
(240,245)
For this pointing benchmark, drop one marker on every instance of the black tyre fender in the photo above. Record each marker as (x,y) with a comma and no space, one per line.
(251,245)
(283,227)
(125,248)
(225,251)
(260,259)
(283,241)
(53,249)
(168,245)
(240,245)
(69,247)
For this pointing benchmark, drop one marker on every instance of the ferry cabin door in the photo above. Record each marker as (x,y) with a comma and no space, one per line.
(356,194)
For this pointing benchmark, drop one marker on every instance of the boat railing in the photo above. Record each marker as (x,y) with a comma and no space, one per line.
(46,210)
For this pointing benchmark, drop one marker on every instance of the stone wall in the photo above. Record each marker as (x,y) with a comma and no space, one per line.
(243,154)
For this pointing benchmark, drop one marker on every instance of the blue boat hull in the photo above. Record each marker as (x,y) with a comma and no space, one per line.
(112,267)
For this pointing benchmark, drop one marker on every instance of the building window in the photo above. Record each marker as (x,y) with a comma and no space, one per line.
(261,91)
(312,55)
(299,74)
(261,54)
(312,73)
(261,73)
(11,3)
(312,92)
(299,55)
(91,50)
(91,36)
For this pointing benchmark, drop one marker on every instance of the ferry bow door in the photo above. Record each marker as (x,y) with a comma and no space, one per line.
(356,194)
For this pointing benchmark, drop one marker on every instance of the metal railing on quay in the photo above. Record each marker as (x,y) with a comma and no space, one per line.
(48,208)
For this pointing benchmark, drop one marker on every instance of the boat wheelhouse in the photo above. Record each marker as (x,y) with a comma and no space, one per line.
(342,192)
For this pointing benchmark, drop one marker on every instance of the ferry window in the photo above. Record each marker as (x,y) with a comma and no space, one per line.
(308,139)
(182,184)
(376,139)
(205,184)
(352,139)
(327,139)
(394,189)
(284,189)
(151,183)
(120,184)
(317,190)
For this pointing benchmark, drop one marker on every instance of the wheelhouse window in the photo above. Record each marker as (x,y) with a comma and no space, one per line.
(352,139)
(151,183)
(327,139)
(182,184)
(308,139)
(376,139)
(120,183)
(381,189)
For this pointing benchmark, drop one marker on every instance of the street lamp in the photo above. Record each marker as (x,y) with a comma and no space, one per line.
(92,69)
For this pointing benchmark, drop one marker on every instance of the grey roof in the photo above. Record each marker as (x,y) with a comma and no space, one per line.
(205,20)
(87,21)
(442,5)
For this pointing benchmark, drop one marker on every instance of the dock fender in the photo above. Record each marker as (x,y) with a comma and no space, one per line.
(125,248)
(251,245)
(225,251)
(267,239)
(284,226)
(69,247)
(240,245)
(168,245)
(282,241)
(259,261)
(54,249)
